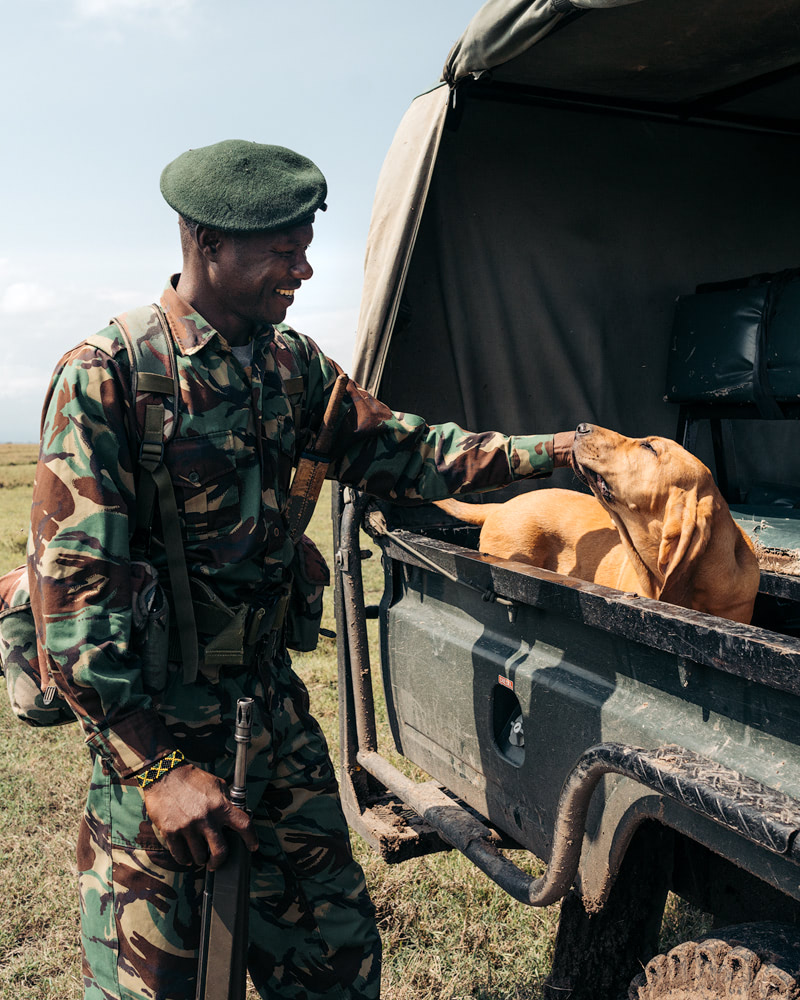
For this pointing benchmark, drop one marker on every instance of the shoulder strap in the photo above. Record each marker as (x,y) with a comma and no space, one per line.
(156,396)
(312,468)
(313,458)
(154,389)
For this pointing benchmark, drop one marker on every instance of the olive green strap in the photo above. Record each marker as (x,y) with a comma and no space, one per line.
(173,546)
(137,328)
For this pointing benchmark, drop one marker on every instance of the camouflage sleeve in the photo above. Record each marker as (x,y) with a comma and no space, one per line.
(79,563)
(400,457)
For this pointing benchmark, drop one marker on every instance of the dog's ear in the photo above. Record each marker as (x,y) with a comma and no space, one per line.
(684,536)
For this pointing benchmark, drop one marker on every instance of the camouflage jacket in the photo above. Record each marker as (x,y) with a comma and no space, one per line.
(230,461)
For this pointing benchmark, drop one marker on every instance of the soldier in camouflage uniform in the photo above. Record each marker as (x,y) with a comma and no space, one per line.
(155,817)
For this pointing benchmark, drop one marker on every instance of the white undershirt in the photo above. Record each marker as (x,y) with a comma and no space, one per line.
(244,353)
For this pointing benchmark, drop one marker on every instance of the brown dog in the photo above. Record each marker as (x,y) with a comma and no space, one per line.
(656,526)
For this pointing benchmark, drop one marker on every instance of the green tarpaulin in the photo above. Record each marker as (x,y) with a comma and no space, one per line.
(539,213)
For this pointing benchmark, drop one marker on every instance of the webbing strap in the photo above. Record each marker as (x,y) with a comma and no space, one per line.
(138,329)
(151,382)
(150,455)
(178,576)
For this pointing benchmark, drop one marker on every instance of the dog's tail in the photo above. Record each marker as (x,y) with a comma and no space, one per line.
(472,513)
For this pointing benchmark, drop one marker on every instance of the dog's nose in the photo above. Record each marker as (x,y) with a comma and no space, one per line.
(583,429)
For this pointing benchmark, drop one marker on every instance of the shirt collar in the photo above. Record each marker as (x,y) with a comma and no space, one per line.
(190,331)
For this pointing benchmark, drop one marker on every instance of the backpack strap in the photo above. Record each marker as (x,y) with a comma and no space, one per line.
(156,394)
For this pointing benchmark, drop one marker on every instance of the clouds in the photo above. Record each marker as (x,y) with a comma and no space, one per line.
(20,293)
(119,21)
(129,85)
(45,311)
(51,303)
(130,9)
(25,297)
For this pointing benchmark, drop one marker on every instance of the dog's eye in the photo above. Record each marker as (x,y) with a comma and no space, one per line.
(649,447)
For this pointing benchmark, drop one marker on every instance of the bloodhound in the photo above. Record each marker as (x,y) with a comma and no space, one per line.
(656,526)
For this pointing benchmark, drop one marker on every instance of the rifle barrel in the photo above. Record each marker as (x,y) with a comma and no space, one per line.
(242,734)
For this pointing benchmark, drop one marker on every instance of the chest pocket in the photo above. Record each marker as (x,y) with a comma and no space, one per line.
(282,435)
(204,475)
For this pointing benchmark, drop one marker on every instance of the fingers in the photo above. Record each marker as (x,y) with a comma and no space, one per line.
(205,843)
(217,849)
(212,848)
(179,849)
(190,808)
(198,843)
(562,448)
(199,846)
(242,823)
(209,846)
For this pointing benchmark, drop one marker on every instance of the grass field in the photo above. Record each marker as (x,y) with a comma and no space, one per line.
(449,933)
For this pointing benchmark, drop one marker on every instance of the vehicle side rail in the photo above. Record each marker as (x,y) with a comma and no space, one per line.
(734,801)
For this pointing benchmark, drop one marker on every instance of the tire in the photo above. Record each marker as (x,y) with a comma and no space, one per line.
(746,962)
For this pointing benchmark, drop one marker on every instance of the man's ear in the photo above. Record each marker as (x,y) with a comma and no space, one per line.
(208,240)
(684,536)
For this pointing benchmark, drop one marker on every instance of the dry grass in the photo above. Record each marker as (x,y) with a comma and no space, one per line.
(17,465)
(448,932)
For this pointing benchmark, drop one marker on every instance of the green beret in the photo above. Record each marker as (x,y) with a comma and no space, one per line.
(243,186)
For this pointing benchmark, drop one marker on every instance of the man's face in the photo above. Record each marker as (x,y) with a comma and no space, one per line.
(257,274)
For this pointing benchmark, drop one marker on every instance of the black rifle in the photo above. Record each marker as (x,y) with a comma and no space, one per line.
(222,962)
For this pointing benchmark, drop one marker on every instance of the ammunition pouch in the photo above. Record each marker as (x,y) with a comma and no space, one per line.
(233,636)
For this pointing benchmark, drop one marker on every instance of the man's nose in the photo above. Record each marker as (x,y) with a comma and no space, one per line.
(302,269)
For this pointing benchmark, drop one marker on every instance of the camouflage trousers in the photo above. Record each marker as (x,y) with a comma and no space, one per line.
(312,926)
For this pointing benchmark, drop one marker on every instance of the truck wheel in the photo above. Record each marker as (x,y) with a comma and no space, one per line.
(748,962)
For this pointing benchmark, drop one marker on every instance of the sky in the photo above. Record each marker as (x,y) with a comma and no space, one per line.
(99,95)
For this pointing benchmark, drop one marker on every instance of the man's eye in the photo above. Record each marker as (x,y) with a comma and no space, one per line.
(649,447)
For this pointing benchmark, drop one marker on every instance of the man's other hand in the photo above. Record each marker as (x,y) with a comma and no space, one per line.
(190,809)
(562,448)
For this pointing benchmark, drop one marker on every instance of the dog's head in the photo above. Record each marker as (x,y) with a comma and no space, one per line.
(662,499)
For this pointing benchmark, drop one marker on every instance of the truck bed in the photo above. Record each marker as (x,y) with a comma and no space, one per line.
(500,676)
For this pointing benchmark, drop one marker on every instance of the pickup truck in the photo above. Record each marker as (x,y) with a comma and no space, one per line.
(584,165)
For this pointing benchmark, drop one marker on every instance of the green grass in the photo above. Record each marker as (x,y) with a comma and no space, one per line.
(17,465)
(448,932)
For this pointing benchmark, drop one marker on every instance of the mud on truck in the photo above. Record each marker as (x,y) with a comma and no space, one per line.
(595,217)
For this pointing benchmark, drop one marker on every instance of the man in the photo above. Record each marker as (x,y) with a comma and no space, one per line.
(157,807)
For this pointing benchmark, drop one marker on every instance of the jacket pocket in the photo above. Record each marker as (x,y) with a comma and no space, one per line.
(204,475)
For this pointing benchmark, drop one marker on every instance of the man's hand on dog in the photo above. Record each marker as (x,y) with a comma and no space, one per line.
(562,448)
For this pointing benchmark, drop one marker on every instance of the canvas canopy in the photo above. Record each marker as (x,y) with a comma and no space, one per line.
(659,50)
(536,216)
